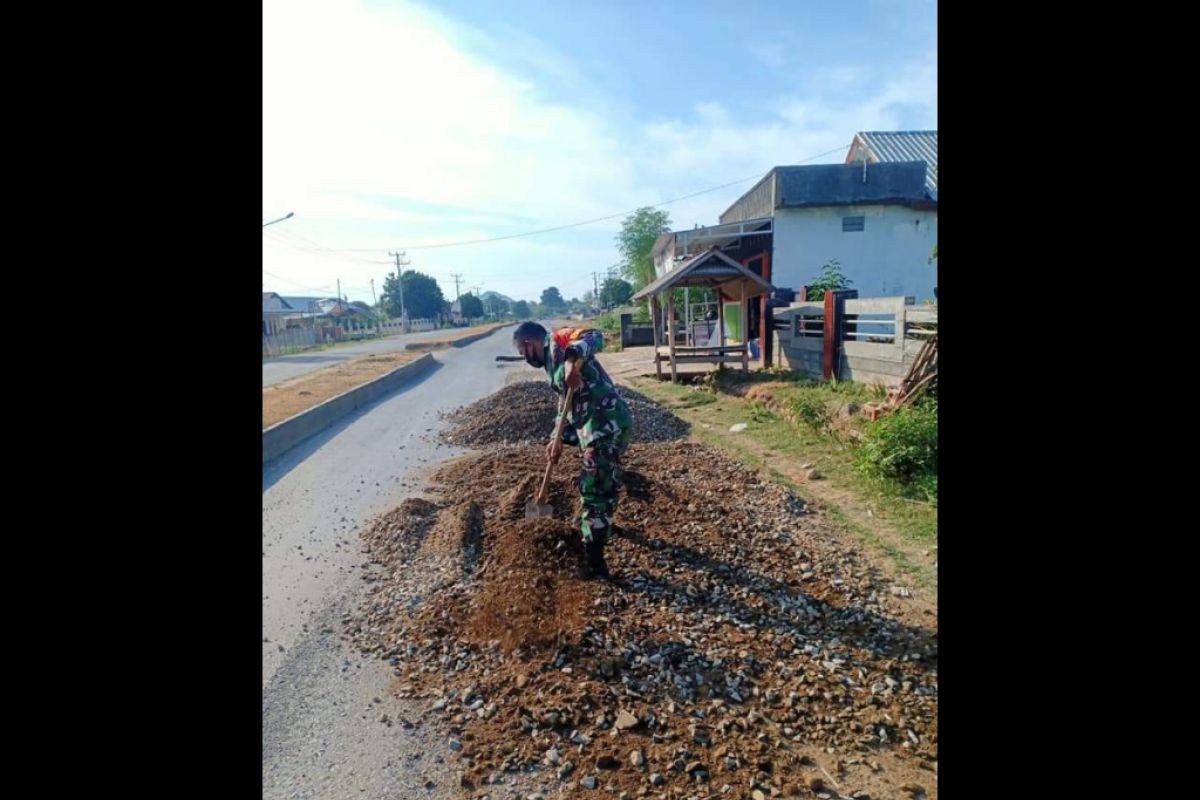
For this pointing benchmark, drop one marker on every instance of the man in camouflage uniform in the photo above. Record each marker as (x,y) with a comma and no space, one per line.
(598,421)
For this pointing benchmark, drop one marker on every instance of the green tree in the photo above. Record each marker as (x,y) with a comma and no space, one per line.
(520,310)
(496,305)
(470,306)
(636,240)
(831,279)
(552,300)
(615,292)
(422,295)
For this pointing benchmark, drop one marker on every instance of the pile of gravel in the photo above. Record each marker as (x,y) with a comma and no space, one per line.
(523,413)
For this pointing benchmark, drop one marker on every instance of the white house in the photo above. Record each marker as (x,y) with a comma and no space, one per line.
(876,215)
(876,220)
(275,312)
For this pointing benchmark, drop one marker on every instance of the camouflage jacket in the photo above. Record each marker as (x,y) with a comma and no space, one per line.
(597,411)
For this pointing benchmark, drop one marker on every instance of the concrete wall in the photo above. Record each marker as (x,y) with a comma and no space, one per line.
(665,260)
(861,360)
(888,258)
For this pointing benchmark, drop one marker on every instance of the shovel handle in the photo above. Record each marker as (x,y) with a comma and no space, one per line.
(562,417)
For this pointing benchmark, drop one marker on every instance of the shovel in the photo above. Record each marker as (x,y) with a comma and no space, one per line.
(537,508)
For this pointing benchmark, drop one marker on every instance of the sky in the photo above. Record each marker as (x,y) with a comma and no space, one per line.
(394,126)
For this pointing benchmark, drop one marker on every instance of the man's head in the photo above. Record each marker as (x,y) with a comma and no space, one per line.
(530,341)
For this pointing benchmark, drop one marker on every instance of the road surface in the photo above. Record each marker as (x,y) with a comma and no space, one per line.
(284,367)
(322,734)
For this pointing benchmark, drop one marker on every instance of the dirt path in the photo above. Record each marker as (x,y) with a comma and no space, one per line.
(908,564)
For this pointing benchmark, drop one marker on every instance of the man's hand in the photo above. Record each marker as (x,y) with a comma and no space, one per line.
(571,376)
(554,450)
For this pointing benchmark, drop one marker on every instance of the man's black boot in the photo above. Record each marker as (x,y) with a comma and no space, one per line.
(594,564)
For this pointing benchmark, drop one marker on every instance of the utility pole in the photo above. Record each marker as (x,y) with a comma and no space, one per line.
(595,290)
(375,305)
(400,279)
(457,277)
(339,302)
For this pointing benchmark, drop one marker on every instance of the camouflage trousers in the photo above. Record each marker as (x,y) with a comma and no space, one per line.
(599,482)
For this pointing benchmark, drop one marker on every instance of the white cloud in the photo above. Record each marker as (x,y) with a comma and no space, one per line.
(390,127)
(371,103)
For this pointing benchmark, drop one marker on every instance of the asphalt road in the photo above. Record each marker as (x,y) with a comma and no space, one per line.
(322,734)
(284,367)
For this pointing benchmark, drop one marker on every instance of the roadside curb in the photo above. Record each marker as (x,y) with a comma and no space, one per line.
(283,436)
(475,337)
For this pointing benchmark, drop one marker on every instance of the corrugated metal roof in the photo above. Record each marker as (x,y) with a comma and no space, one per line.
(885,146)
(843,184)
(268,297)
(309,305)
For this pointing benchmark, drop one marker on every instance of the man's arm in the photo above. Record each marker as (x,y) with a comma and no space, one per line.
(581,348)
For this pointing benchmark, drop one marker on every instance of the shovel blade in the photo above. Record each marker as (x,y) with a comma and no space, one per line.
(535,511)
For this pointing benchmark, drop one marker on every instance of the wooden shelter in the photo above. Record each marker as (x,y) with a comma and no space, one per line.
(711,269)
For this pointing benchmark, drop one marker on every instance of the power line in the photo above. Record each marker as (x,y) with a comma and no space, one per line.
(579,224)
(312,247)
(575,224)
(294,283)
(610,216)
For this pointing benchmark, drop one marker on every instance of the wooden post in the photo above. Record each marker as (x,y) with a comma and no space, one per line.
(671,332)
(745,330)
(687,317)
(655,316)
(768,353)
(766,319)
(721,315)
(830,337)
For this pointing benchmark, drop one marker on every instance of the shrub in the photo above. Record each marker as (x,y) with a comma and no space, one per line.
(902,446)
(810,409)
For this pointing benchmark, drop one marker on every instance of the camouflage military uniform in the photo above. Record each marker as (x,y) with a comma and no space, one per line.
(598,421)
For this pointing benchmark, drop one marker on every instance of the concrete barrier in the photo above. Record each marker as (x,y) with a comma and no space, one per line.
(466,340)
(283,436)
(476,337)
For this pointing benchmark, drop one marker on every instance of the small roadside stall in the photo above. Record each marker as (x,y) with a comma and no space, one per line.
(711,269)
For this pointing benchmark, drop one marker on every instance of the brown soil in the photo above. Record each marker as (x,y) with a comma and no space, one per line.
(289,398)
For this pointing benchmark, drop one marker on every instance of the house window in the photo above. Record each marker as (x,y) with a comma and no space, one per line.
(851,224)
